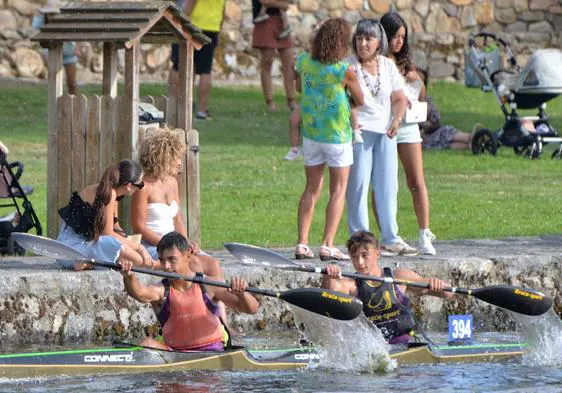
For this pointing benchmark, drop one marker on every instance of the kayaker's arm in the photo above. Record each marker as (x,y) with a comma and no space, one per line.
(334,281)
(137,290)
(235,297)
(435,285)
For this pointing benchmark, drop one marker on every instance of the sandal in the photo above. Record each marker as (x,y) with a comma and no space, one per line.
(271,105)
(308,254)
(292,104)
(333,254)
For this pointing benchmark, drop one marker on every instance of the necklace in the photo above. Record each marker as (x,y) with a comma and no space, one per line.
(374,90)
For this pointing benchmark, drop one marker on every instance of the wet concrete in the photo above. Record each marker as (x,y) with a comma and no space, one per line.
(40,303)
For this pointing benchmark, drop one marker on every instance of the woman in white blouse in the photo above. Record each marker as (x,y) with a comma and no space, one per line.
(375,161)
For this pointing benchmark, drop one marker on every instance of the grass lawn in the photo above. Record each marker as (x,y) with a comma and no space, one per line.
(250,195)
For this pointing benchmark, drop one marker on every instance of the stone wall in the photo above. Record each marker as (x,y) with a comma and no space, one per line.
(439,32)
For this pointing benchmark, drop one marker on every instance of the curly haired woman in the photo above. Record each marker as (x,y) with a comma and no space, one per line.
(157,206)
(323,77)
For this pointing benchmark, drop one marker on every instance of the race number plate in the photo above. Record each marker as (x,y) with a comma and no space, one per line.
(460,329)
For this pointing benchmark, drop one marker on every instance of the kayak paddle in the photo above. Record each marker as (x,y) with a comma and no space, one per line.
(320,301)
(517,299)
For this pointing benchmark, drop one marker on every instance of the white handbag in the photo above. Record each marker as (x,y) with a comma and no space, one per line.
(416,113)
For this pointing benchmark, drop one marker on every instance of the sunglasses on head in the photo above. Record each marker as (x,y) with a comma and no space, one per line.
(138,185)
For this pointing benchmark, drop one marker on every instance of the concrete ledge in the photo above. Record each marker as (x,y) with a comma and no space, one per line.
(43,304)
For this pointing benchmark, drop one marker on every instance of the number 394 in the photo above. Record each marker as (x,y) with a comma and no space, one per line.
(460,328)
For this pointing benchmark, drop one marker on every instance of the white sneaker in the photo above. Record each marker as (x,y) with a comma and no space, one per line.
(398,248)
(425,245)
(293,155)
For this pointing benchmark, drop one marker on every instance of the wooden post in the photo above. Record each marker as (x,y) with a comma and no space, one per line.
(110,69)
(55,69)
(189,180)
(128,134)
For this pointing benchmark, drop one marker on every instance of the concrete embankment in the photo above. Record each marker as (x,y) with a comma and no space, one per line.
(39,303)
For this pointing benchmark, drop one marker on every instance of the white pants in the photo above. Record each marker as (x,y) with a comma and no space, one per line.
(375,162)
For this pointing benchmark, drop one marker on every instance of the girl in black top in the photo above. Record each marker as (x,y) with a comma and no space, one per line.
(88,219)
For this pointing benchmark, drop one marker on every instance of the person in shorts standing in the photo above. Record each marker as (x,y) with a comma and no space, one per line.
(322,78)
(208,15)
(69,58)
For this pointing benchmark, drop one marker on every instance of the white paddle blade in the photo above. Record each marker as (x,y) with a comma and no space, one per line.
(46,247)
(252,255)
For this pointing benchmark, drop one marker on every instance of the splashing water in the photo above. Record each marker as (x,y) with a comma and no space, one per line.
(351,346)
(543,335)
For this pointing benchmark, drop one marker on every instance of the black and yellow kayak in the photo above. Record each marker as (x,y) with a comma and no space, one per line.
(138,359)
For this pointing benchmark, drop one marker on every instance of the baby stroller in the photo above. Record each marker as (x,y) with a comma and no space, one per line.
(13,195)
(515,88)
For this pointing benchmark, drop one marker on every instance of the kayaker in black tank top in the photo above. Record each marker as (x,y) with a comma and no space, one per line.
(386,304)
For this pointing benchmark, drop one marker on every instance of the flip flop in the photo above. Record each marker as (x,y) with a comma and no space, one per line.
(308,254)
(333,254)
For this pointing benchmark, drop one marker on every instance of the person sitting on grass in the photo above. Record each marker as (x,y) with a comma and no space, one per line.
(186,310)
(89,217)
(438,136)
(384,304)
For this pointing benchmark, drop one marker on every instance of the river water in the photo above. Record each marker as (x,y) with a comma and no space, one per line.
(366,368)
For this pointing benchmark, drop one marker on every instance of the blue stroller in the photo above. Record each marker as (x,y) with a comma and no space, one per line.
(515,88)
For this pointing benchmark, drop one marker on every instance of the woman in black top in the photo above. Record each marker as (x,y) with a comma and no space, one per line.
(88,219)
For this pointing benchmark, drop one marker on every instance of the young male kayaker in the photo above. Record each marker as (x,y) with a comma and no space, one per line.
(186,310)
(385,304)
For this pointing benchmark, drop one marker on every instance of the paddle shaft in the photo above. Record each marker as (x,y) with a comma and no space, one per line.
(391,280)
(174,276)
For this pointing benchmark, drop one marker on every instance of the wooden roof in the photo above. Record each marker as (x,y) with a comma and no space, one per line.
(122,23)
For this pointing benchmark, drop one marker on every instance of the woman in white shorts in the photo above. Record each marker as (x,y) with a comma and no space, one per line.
(409,139)
(322,77)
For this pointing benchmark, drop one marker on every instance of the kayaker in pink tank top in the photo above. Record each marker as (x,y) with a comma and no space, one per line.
(190,325)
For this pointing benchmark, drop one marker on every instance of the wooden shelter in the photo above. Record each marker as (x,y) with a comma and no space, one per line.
(86,134)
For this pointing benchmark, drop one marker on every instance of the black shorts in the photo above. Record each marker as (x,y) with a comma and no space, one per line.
(202,58)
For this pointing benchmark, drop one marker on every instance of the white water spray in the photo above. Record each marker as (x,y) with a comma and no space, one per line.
(351,346)
(543,335)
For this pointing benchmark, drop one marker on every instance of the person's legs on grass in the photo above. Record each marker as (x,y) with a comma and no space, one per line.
(338,187)
(294,135)
(203,92)
(412,160)
(314,181)
(266,63)
(287,64)
(203,66)
(358,184)
(384,180)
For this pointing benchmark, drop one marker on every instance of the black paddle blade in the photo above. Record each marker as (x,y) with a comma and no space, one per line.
(325,302)
(45,246)
(517,299)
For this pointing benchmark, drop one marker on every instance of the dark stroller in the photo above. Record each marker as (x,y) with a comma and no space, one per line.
(515,88)
(12,194)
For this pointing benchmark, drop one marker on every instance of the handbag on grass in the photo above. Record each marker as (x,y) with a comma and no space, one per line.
(416,113)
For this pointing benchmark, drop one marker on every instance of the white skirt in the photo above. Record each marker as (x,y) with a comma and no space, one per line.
(105,249)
